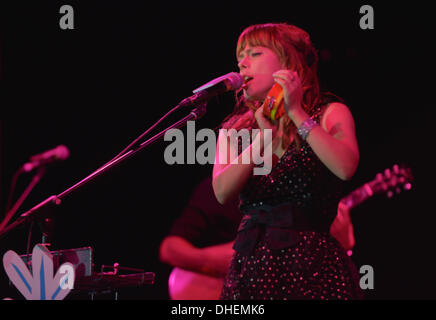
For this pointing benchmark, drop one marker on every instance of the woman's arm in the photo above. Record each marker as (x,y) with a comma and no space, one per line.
(229,178)
(230,174)
(334,141)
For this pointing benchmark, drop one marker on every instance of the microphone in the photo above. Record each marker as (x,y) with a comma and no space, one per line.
(229,82)
(59,153)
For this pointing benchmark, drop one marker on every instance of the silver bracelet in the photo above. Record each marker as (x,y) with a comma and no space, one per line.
(306,127)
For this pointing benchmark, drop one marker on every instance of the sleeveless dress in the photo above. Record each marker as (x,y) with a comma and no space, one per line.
(284,250)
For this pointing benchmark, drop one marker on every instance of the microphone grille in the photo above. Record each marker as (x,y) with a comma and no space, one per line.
(62,152)
(236,80)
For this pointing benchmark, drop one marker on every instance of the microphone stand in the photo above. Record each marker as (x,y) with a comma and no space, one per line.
(43,209)
(35,180)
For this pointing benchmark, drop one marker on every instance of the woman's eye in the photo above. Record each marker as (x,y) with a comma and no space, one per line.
(254,54)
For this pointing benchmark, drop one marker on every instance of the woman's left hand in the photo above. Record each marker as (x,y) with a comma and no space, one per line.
(292,89)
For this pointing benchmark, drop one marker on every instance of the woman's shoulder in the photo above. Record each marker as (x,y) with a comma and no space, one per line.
(329,103)
(328,97)
(336,114)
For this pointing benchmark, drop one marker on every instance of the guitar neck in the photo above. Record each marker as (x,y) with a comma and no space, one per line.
(358,196)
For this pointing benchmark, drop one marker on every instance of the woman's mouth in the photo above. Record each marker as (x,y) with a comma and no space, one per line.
(247,79)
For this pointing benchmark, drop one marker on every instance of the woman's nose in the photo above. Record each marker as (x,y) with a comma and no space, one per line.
(243,64)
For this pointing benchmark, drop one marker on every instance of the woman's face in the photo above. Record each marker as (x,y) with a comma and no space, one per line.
(256,65)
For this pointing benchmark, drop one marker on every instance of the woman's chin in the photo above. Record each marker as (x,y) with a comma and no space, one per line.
(253,97)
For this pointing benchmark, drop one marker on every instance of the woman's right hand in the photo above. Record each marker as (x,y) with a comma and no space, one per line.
(229,178)
(276,128)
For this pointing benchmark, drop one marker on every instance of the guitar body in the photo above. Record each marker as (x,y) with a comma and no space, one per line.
(187,285)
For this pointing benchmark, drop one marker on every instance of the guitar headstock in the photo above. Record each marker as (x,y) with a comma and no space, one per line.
(392,181)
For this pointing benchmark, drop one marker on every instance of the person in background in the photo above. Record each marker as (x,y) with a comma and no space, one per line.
(199,245)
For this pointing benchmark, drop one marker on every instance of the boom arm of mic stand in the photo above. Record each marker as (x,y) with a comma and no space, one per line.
(197,113)
(194,115)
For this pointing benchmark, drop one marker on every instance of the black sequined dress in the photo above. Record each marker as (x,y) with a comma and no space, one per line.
(283,248)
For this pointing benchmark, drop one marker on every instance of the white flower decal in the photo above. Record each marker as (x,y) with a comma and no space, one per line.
(41,285)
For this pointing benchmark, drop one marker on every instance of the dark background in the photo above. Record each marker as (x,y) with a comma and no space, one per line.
(127,63)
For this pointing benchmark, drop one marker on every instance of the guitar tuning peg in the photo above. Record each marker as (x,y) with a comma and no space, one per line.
(388,173)
(379,177)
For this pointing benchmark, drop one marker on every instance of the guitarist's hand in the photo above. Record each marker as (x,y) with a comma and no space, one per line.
(217,259)
(342,228)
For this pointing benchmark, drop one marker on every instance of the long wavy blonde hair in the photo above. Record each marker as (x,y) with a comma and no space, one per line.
(294,48)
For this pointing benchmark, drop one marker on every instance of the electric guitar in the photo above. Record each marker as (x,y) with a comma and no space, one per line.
(391,181)
(188,285)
